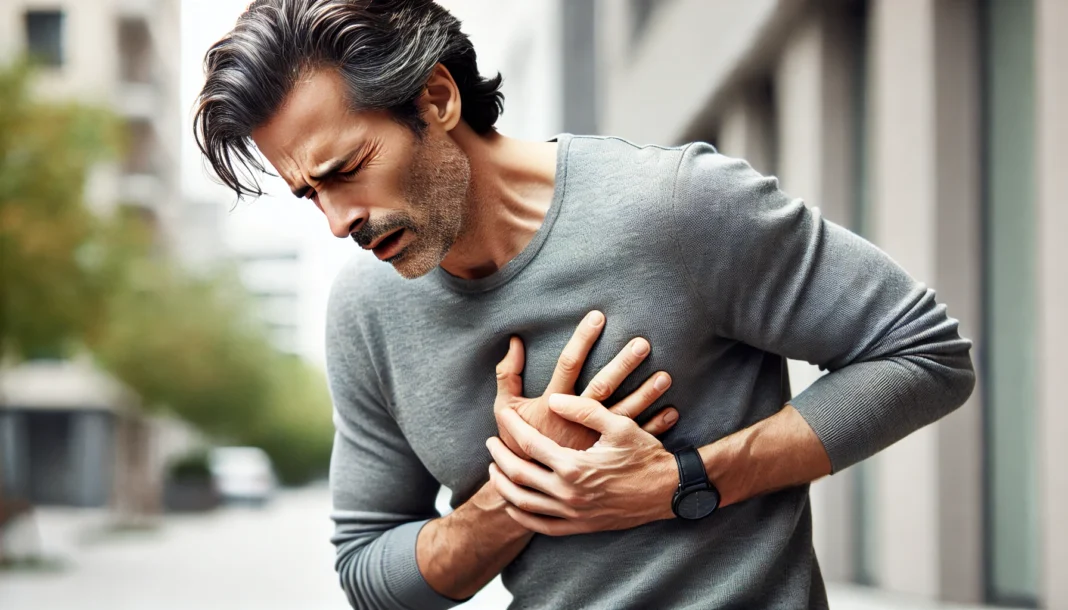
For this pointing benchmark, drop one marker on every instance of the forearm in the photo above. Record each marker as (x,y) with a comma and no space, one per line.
(779,452)
(462,551)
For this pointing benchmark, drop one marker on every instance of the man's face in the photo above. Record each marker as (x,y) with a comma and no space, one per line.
(375,181)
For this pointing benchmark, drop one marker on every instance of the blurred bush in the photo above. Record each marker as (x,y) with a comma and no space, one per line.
(51,294)
(73,281)
(192,466)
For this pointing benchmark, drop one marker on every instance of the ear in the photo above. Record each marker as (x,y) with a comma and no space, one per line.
(440,100)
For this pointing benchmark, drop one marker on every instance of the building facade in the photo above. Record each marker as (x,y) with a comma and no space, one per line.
(931,127)
(70,434)
(117,54)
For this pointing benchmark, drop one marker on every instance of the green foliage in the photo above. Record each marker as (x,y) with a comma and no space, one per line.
(49,292)
(295,429)
(72,280)
(192,467)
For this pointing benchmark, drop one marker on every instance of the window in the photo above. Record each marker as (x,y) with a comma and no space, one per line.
(44,37)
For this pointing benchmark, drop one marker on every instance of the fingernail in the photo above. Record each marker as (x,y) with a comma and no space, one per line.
(671,416)
(662,382)
(595,319)
(555,400)
(640,347)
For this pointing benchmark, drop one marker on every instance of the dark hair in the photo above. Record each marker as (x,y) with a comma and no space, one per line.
(385,50)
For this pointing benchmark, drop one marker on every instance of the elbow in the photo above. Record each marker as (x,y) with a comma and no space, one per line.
(964,382)
(956,382)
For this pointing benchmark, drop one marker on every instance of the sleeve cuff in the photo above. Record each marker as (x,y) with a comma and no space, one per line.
(401,570)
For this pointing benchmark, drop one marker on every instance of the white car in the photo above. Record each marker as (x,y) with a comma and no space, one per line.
(242,474)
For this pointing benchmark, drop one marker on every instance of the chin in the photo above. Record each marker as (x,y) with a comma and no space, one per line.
(413,262)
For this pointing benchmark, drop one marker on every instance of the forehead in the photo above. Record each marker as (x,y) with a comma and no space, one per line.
(315,123)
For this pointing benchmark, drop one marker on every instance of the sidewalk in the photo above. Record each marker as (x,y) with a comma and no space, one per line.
(278,558)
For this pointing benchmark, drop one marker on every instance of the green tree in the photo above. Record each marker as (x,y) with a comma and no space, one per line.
(49,294)
(72,280)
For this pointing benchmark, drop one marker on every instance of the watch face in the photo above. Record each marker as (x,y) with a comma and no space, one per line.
(698,504)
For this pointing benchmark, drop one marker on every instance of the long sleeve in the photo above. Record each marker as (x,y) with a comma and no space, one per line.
(382,493)
(772,273)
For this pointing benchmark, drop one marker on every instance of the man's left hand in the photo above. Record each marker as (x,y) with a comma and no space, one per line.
(625,480)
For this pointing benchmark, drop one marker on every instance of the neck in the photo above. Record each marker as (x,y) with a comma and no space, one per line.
(509,195)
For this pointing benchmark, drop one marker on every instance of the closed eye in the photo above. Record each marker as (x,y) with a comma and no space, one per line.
(352,172)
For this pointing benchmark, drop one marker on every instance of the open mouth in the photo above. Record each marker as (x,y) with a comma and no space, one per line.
(389,246)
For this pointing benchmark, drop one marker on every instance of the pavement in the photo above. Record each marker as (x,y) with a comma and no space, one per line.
(234,559)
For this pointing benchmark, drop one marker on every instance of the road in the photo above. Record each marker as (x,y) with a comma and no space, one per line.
(232,559)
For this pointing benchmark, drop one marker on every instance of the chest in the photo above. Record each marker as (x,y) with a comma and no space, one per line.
(442,380)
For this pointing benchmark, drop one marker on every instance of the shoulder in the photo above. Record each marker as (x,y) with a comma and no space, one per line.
(713,187)
(623,162)
(616,188)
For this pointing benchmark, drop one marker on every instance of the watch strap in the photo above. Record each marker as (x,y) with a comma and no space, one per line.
(691,468)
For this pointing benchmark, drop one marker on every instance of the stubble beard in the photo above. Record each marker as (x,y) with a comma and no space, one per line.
(437,193)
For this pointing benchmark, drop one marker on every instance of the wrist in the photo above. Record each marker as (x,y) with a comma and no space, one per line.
(491,508)
(722,465)
(666,484)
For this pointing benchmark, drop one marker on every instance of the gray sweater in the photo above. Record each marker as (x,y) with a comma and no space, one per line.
(726,276)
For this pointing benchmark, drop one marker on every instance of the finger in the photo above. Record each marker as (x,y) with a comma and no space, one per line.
(640,399)
(544,525)
(527,500)
(574,355)
(521,471)
(538,446)
(664,421)
(510,370)
(589,413)
(607,380)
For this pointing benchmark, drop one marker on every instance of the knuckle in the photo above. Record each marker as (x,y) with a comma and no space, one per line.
(519,478)
(568,473)
(568,363)
(649,394)
(598,389)
(577,498)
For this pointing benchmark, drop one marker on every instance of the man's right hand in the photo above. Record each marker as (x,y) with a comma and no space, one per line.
(569,434)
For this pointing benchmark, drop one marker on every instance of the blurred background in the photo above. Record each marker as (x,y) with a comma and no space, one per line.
(164,420)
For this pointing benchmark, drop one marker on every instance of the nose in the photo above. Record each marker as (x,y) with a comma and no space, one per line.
(343,219)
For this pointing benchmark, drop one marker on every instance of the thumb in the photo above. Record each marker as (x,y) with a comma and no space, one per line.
(510,370)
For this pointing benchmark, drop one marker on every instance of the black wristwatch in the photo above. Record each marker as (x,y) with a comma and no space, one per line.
(696,497)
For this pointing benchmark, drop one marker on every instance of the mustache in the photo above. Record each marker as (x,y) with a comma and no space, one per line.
(369,232)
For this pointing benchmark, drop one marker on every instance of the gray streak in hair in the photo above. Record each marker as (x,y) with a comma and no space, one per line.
(385,50)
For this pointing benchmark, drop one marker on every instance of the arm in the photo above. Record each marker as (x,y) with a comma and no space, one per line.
(393,549)
(774,274)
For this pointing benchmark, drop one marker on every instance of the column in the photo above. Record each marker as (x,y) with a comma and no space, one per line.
(925,214)
(1051,120)
(902,215)
(813,88)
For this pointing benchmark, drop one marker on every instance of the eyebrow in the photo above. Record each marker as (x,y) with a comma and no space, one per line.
(324,172)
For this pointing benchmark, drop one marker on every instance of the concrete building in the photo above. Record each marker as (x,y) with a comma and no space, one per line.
(933,128)
(116,53)
(58,423)
(69,434)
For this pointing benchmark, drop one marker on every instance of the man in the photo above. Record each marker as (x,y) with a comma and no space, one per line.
(693,276)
